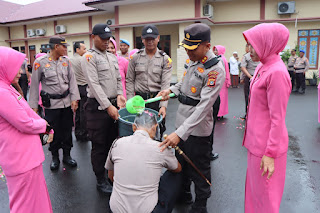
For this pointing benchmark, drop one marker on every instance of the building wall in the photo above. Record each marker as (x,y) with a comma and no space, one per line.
(127,33)
(4,35)
(155,11)
(98,19)
(77,25)
(17,32)
(236,10)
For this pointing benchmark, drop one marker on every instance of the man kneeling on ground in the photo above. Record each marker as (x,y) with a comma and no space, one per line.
(135,165)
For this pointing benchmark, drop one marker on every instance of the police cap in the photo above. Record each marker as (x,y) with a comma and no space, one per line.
(58,40)
(102,30)
(150,31)
(194,35)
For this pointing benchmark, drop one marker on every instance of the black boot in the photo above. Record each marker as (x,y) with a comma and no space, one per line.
(104,186)
(185,198)
(67,159)
(55,161)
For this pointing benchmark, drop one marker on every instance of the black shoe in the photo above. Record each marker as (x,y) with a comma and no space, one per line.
(185,198)
(104,186)
(69,161)
(302,92)
(55,163)
(198,210)
(214,156)
(243,117)
(296,90)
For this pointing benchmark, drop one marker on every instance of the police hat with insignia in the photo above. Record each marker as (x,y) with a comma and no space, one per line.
(102,30)
(194,35)
(58,40)
(150,31)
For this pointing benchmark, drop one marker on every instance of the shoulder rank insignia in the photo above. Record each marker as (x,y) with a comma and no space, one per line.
(88,57)
(204,59)
(212,78)
(36,66)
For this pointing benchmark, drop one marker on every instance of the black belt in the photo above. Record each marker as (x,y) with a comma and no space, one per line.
(299,68)
(56,96)
(147,96)
(96,104)
(187,100)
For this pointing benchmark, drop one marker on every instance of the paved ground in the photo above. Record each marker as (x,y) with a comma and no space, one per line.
(73,190)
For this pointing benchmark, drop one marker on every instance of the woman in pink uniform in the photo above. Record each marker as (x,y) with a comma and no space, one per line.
(21,153)
(220,50)
(319,100)
(123,64)
(266,135)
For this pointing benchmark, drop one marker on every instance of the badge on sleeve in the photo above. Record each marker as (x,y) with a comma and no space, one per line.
(88,57)
(193,89)
(64,64)
(188,61)
(212,78)
(47,65)
(36,66)
(169,62)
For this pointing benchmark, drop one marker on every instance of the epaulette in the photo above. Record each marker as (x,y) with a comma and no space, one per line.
(140,51)
(163,53)
(211,62)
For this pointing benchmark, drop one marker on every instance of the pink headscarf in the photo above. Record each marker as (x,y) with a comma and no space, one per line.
(133,52)
(40,54)
(123,66)
(10,63)
(268,40)
(221,51)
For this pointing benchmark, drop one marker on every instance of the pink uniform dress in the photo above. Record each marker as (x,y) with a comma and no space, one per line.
(123,67)
(266,132)
(224,90)
(21,153)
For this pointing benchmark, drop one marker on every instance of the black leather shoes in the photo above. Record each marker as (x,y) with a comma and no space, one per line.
(302,92)
(104,186)
(214,156)
(69,161)
(55,163)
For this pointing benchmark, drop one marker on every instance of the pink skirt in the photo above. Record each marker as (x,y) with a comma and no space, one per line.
(223,101)
(263,195)
(28,192)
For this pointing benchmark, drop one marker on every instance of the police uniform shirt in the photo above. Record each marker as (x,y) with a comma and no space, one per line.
(101,71)
(200,84)
(301,65)
(76,67)
(250,65)
(291,61)
(147,74)
(56,78)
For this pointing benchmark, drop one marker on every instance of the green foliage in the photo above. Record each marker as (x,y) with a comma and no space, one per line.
(285,55)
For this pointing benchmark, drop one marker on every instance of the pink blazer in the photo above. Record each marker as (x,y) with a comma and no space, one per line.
(266,132)
(20,146)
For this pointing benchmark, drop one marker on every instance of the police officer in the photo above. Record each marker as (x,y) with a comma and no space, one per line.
(25,78)
(247,67)
(291,61)
(149,72)
(59,96)
(197,93)
(80,122)
(301,66)
(101,71)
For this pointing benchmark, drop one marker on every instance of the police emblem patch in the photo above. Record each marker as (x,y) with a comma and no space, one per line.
(193,89)
(169,61)
(201,70)
(36,66)
(88,57)
(64,64)
(107,29)
(188,61)
(212,78)
(188,35)
(149,30)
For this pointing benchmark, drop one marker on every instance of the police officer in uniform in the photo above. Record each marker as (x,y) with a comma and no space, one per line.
(291,61)
(301,66)
(59,96)
(149,72)
(101,71)
(197,93)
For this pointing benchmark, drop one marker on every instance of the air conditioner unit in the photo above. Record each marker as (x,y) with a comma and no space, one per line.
(288,7)
(40,32)
(61,29)
(111,22)
(30,33)
(208,10)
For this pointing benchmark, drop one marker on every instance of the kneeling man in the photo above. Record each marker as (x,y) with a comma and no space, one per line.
(135,166)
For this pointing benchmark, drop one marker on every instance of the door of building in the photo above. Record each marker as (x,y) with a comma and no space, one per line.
(32,53)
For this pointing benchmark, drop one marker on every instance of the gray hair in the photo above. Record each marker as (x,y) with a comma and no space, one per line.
(145,120)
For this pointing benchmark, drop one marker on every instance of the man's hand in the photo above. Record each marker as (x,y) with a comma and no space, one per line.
(74,106)
(267,165)
(121,101)
(36,110)
(172,140)
(162,112)
(164,94)
(113,112)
